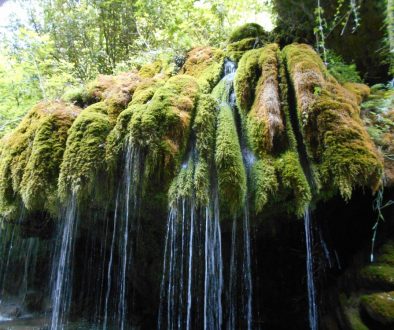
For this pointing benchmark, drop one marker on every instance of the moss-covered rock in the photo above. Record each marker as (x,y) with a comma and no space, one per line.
(228,158)
(264,183)
(378,277)
(265,124)
(120,134)
(206,65)
(247,37)
(331,126)
(84,156)
(39,182)
(249,30)
(163,127)
(380,307)
(31,156)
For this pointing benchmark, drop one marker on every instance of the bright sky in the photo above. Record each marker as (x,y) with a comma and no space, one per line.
(8,8)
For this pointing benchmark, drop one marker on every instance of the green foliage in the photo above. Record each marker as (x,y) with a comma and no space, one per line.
(340,70)
(229,164)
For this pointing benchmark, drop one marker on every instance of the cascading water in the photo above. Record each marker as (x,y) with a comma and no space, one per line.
(248,160)
(312,311)
(192,247)
(125,232)
(62,266)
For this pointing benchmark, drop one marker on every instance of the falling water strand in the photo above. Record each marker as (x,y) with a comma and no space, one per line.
(247,276)
(61,294)
(232,299)
(313,315)
(213,281)
(163,279)
(190,269)
(109,277)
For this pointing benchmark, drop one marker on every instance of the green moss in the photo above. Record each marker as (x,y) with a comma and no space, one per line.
(28,165)
(378,276)
(293,182)
(121,133)
(163,128)
(84,156)
(249,30)
(206,65)
(380,307)
(39,182)
(151,69)
(265,124)
(229,164)
(264,183)
(386,254)
(75,95)
(331,127)
(182,185)
(246,78)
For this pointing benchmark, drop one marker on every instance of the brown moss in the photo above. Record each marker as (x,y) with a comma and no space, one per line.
(361,91)
(206,65)
(264,120)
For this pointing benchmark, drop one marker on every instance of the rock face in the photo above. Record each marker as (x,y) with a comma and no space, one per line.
(295,138)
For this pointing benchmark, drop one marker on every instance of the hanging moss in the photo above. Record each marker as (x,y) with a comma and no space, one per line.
(206,65)
(293,182)
(30,157)
(264,121)
(182,185)
(163,128)
(264,183)
(245,80)
(39,182)
(380,307)
(120,133)
(229,164)
(84,156)
(331,126)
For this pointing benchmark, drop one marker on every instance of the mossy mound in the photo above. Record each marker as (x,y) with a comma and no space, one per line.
(249,30)
(120,134)
(31,156)
(247,37)
(229,163)
(162,128)
(378,277)
(332,129)
(265,119)
(380,307)
(84,157)
(206,65)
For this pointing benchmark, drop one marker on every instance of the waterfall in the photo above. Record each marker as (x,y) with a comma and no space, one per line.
(124,235)
(313,313)
(192,280)
(246,267)
(62,267)
(213,270)
(232,290)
